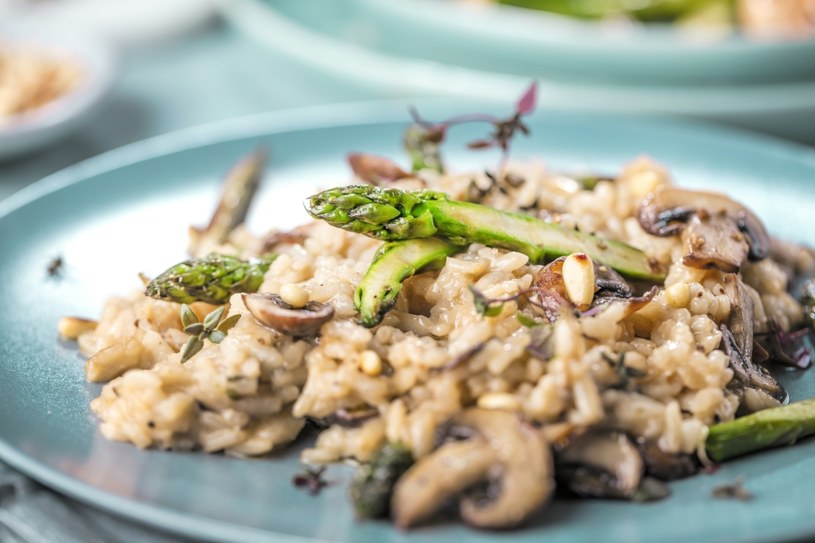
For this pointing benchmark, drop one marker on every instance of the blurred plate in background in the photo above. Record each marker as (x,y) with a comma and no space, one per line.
(342,40)
(94,65)
(502,38)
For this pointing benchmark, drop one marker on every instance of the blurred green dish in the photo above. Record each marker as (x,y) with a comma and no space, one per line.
(495,37)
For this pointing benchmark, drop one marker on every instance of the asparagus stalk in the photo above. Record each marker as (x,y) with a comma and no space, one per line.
(393,263)
(761,430)
(239,188)
(391,214)
(212,279)
(372,486)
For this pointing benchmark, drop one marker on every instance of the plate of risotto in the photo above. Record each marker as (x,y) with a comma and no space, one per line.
(374,323)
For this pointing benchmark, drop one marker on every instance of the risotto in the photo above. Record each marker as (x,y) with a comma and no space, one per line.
(491,374)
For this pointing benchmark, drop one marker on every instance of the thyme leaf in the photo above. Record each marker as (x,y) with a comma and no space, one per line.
(212,328)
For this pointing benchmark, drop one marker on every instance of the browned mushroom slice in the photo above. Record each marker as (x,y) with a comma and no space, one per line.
(602,464)
(433,480)
(551,296)
(286,237)
(271,311)
(375,169)
(500,449)
(714,242)
(742,312)
(239,187)
(610,284)
(667,466)
(758,387)
(523,480)
(717,231)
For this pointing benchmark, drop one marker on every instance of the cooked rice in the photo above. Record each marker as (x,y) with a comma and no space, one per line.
(252,393)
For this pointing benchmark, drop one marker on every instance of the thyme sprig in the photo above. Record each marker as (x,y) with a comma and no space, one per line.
(212,328)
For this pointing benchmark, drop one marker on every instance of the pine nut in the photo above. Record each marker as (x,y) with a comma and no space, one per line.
(294,295)
(578,278)
(73,327)
(370,363)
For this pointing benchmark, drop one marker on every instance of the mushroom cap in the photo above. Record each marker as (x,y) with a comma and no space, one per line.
(271,311)
(668,212)
(612,465)
(500,449)
(524,477)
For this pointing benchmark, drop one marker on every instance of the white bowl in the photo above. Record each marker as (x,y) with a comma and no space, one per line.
(45,125)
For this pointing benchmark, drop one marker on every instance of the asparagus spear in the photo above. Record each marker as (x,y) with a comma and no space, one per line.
(393,263)
(212,279)
(373,483)
(239,188)
(391,214)
(761,430)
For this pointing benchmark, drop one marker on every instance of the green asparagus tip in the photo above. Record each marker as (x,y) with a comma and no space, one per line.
(213,279)
(384,213)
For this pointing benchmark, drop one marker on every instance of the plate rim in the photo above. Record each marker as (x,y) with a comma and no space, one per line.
(396,73)
(280,122)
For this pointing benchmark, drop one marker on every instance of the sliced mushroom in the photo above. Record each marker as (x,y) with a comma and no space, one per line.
(717,232)
(742,312)
(286,237)
(523,479)
(375,169)
(239,188)
(426,486)
(353,418)
(551,291)
(610,284)
(758,387)
(500,449)
(666,466)
(602,464)
(271,311)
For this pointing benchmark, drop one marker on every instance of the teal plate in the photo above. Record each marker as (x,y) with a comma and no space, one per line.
(127,211)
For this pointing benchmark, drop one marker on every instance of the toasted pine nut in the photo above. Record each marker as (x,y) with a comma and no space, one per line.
(294,295)
(73,327)
(578,278)
(370,363)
